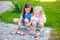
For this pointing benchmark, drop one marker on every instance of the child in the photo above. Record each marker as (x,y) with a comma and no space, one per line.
(25,17)
(38,18)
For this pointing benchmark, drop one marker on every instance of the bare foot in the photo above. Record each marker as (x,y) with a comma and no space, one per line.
(28,29)
(15,32)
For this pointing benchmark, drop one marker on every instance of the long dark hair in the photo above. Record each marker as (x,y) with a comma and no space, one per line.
(27,5)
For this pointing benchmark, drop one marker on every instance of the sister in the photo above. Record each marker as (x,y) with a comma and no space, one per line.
(25,17)
(38,18)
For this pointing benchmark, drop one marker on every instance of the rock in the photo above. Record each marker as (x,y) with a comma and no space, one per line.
(5,33)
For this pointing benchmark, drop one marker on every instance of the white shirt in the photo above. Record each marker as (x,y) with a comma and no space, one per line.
(38,19)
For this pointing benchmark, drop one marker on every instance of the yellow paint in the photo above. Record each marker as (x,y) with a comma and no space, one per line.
(48,0)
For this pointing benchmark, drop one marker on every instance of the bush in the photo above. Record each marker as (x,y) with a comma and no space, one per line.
(18,4)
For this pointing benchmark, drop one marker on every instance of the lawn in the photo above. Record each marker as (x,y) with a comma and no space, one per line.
(52,11)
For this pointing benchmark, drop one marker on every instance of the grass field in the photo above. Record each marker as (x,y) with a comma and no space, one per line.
(52,11)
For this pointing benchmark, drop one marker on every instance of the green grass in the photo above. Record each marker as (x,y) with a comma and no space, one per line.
(52,11)
(9,16)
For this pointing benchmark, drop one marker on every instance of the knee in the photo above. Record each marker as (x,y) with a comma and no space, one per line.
(26,21)
(15,20)
(19,23)
(33,23)
(41,24)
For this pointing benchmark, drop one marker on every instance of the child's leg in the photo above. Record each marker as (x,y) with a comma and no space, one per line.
(41,24)
(34,24)
(17,21)
(28,24)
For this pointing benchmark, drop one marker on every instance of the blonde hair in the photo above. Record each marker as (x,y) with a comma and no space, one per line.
(38,9)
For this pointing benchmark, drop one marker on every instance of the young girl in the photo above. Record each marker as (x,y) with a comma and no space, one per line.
(25,17)
(38,18)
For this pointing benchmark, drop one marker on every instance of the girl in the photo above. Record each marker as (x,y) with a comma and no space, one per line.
(25,17)
(38,18)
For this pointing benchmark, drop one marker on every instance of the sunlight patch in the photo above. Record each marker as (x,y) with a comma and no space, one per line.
(48,0)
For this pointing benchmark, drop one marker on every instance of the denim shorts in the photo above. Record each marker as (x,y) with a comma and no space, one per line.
(23,22)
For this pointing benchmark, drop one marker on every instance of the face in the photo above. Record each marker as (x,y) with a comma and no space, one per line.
(27,9)
(38,13)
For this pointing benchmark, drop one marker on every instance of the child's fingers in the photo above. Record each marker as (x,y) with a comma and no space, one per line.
(15,20)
